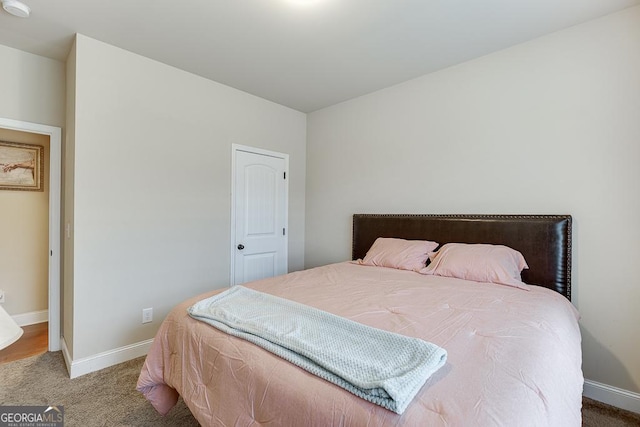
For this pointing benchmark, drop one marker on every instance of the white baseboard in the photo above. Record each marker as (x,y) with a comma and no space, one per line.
(103,360)
(31,318)
(613,396)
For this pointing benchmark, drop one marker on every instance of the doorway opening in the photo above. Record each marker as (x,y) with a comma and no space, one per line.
(52,253)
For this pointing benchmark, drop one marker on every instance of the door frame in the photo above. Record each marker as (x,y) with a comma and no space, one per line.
(234,149)
(55,176)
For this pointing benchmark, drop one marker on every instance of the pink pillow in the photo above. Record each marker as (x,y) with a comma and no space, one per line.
(399,253)
(478,262)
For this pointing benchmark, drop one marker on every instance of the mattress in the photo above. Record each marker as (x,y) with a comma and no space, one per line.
(514,355)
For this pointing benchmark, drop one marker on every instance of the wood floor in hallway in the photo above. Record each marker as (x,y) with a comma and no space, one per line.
(34,340)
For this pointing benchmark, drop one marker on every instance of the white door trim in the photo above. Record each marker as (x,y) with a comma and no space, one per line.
(234,149)
(55,173)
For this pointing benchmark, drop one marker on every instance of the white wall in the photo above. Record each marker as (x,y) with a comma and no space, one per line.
(550,126)
(31,88)
(152,180)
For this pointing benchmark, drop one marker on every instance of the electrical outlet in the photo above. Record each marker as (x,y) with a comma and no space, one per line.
(147,315)
(1,296)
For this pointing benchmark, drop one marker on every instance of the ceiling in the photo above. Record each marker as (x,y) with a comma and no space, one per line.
(305,54)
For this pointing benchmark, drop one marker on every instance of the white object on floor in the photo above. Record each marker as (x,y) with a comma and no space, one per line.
(10,332)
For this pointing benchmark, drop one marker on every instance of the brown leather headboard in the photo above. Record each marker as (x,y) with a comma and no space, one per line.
(543,240)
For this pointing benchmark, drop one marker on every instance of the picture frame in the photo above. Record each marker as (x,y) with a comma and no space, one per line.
(21,166)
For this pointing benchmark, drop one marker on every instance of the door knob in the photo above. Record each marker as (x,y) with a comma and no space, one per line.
(240,246)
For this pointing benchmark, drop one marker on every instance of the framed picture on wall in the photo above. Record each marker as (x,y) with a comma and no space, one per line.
(21,166)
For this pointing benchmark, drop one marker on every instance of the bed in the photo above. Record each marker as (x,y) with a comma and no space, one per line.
(513,358)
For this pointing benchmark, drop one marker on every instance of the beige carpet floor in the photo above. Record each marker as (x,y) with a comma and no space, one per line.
(104,398)
(596,414)
(108,397)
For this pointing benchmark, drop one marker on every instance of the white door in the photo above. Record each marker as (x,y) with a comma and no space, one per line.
(259,241)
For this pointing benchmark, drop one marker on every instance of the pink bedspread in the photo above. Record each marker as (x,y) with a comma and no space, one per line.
(514,356)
